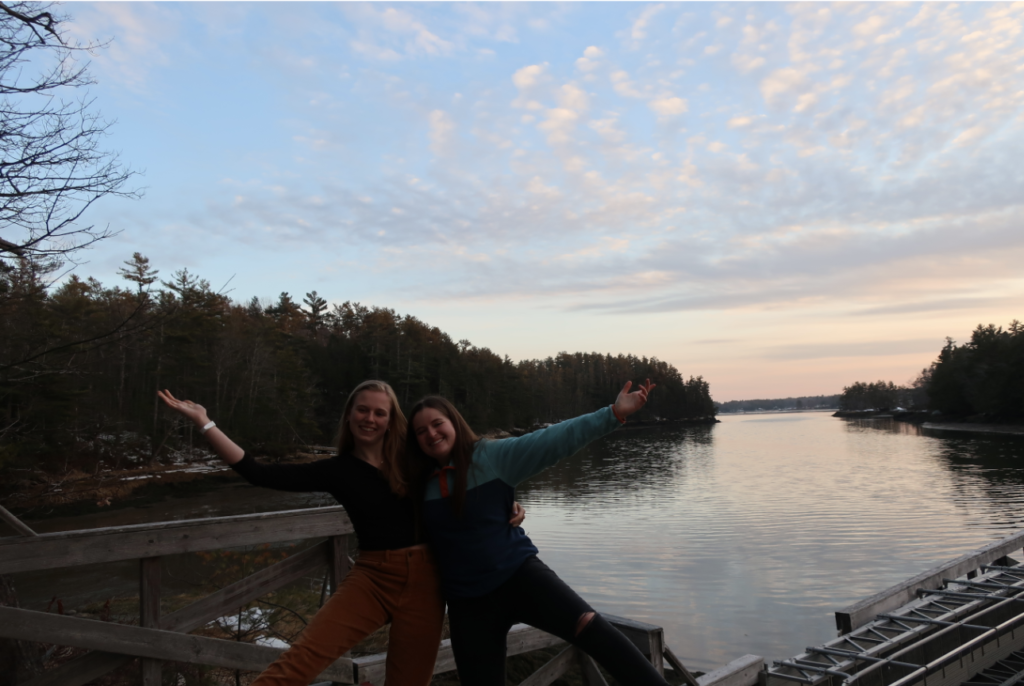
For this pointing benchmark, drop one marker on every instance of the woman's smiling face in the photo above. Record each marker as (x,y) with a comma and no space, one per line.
(370,417)
(434,433)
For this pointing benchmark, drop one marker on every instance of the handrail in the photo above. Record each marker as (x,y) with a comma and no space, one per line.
(113,544)
(16,523)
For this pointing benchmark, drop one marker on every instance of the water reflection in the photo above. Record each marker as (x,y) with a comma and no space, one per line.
(628,463)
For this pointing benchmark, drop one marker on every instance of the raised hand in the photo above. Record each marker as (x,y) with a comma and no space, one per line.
(188,409)
(219,441)
(627,403)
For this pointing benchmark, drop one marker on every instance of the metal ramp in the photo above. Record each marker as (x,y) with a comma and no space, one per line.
(1003,673)
(967,632)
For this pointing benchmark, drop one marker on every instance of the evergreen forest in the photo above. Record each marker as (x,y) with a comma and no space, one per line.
(80,364)
(982,378)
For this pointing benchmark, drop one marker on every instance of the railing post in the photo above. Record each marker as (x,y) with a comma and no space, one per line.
(149,612)
(338,560)
(658,651)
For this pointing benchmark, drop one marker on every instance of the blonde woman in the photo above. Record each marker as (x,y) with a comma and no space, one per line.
(394,579)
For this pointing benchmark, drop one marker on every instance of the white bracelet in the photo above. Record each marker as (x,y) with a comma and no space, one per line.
(207,427)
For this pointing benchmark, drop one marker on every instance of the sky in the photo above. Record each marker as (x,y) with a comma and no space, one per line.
(783,198)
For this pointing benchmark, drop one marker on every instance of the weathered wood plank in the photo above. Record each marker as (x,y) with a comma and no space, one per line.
(369,669)
(740,672)
(860,613)
(21,527)
(149,612)
(553,668)
(68,548)
(522,638)
(90,666)
(158,644)
(657,655)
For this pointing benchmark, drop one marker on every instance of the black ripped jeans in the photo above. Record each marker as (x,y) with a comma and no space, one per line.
(536,596)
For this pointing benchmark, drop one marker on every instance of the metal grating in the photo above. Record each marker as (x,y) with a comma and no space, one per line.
(947,637)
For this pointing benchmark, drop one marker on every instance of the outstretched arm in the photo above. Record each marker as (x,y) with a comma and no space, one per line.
(227,449)
(516,459)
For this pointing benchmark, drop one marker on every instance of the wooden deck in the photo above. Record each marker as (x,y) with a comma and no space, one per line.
(167,638)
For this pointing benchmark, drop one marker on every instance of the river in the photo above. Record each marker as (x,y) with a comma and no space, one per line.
(742,537)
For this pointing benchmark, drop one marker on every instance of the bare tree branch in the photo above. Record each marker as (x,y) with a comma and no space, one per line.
(52,165)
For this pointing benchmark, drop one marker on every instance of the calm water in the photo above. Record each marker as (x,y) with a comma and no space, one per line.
(745,537)
(739,538)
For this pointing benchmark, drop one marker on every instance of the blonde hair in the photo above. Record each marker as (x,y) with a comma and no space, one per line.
(394,437)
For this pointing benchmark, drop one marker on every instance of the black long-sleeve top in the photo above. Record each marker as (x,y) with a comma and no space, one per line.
(382,520)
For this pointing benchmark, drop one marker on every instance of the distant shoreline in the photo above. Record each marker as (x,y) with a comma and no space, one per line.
(922,419)
(786,411)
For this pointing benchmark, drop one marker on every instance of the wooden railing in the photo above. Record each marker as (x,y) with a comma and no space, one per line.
(167,638)
(159,638)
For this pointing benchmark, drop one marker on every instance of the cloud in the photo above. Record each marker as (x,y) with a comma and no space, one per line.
(442,132)
(668,106)
(638,32)
(559,124)
(572,97)
(739,122)
(869,27)
(392,34)
(529,76)
(591,59)
(943,305)
(747,63)
(970,136)
(782,82)
(144,39)
(623,85)
(824,349)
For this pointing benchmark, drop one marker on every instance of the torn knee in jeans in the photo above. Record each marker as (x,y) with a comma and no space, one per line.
(583,621)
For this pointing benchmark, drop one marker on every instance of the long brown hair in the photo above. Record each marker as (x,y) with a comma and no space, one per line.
(462,449)
(392,465)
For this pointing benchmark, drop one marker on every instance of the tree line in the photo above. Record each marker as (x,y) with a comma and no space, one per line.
(80,364)
(984,376)
(806,402)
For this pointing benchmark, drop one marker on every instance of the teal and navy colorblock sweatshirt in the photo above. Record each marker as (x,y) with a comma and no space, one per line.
(479,551)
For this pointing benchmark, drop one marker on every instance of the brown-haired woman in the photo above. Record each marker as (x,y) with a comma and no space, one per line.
(490,574)
(394,578)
